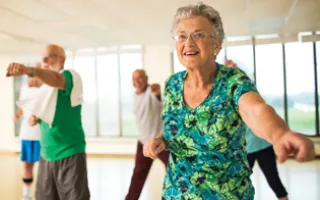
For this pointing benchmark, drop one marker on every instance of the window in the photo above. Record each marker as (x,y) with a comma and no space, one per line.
(269,72)
(18,83)
(177,66)
(85,66)
(300,87)
(318,75)
(102,100)
(128,63)
(108,95)
(243,57)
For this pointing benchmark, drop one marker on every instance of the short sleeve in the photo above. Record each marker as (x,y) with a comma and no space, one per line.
(239,84)
(69,83)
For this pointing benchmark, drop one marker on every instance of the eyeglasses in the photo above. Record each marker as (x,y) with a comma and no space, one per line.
(197,36)
(47,56)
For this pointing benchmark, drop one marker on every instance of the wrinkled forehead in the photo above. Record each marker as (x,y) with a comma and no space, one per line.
(53,49)
(194,24)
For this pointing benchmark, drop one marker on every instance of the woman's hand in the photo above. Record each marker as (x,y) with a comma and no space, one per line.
(295,144)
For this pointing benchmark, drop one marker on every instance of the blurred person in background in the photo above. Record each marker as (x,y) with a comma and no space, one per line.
(29,135)
(147,109)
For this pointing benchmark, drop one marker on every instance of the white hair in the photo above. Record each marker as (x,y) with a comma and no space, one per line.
(201,9)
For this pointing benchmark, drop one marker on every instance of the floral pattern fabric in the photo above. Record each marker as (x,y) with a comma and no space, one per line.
(207,144)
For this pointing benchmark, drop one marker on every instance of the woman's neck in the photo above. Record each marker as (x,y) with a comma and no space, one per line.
(201,77)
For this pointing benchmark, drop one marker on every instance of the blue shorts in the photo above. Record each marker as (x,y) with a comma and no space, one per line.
(30,151)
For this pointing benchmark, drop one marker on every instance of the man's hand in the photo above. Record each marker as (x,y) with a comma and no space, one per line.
(17,115)
(48,77)
(16,69)
(155,89)
(153,147)
(33,120)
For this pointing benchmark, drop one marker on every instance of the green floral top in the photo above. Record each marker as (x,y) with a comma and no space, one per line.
(208,153)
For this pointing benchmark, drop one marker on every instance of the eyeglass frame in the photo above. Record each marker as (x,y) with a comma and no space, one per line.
(205,35)
(50,55)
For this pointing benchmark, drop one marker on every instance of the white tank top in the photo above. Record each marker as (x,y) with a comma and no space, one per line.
(28,132)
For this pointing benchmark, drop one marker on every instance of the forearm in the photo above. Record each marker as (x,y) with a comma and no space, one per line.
(265,122)
(51,78)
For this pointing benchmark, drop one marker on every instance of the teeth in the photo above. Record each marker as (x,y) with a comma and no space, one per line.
(191,53)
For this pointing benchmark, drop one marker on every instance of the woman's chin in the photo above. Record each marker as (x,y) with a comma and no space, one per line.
(191,66)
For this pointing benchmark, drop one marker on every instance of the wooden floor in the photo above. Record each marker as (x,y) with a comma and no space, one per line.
(109,179)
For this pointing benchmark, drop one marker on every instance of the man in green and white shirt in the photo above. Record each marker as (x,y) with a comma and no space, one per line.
(62,171)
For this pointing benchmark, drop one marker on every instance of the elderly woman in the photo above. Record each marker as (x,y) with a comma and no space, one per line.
(205,111)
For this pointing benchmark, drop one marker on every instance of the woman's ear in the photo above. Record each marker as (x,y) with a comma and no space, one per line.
(216,47)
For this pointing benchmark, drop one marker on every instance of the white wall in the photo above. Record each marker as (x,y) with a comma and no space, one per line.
(6,107)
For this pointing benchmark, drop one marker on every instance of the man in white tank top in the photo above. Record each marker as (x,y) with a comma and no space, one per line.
(30,136)
(147,108)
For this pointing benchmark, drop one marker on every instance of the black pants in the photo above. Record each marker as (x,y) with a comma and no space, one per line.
(267,162)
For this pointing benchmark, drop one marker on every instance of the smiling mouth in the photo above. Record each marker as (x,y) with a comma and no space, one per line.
(191,53)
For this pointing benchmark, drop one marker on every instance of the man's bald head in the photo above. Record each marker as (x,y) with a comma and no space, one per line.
(139,72)
(56,49)
(53,57)
(140,80)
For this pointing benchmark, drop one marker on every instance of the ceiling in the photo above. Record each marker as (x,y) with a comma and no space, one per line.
(28,25)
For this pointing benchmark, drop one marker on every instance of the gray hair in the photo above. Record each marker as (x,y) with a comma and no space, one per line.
(201,9)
